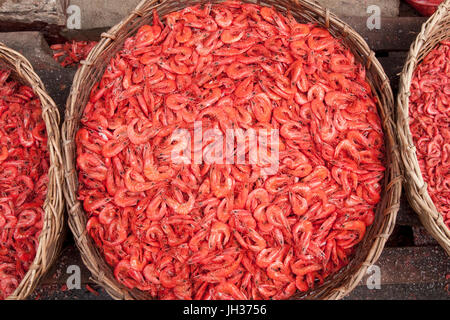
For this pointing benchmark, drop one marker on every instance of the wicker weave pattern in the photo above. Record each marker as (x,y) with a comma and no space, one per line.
(369,249)
(436,29)
(51,236)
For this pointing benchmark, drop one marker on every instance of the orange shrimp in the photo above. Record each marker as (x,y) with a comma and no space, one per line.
(205,217)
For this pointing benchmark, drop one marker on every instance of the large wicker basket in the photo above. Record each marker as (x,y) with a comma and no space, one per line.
(436,29)
(370,248)
(50,238)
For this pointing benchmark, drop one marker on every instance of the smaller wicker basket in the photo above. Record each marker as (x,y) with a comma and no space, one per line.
(50,238)
(436,29)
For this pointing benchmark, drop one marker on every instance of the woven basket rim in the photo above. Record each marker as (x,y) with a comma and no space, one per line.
(50,239)
(309,11)
(435,29)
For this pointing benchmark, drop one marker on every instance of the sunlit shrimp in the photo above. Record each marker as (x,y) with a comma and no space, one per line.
(181,208)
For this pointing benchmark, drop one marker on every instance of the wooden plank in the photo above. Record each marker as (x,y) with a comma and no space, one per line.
(395,34)
(347,8)
(410,291)
(401,236)
(405,10)
(101,14)
(29,12)
(70,256)
(398,265)
(32,45)
(402,268)
(422,237)
(406,215)
(405,274)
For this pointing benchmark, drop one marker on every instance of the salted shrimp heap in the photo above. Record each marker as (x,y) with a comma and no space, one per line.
(188,230)
(72,53)
(24,163)
(429,111)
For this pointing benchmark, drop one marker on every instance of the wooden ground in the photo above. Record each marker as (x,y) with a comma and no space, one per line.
(412,265)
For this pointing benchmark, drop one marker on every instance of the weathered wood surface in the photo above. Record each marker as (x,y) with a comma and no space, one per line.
(412,266)
(395,33)
(32,11)
(405,272)
(34,47)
